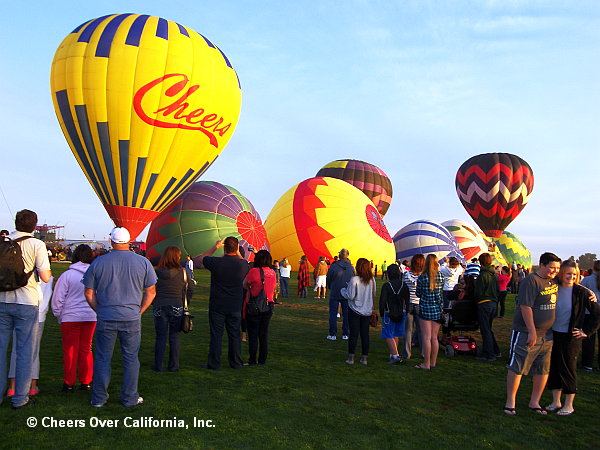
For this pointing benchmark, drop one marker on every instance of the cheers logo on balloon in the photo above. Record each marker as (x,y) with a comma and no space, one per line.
(179,113)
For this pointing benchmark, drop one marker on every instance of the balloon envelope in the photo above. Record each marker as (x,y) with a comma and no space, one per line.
(513,250)
(370,179)
(205,213)
(467,237)
(321,216)
(146,106)
(494,188)
(426,237)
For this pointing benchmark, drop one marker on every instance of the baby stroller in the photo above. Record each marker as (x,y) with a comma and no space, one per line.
(462,317)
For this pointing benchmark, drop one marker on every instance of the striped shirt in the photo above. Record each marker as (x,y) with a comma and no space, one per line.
(430,303)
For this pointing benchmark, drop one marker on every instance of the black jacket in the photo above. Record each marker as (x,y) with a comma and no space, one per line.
(170,287)
(392,303)
(581,302)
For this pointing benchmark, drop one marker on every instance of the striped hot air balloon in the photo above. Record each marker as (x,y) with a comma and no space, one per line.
(426,236)
(146,105)
(205,213)
(368,178)
(323,215)
(494,188)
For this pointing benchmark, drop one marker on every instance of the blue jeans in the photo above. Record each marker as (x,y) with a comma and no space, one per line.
(218,321)
(129,334)
(485,314)
(333,310)
(167,321)
(24,320)
(285,282)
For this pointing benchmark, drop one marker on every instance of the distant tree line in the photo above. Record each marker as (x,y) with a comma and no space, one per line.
(585,262)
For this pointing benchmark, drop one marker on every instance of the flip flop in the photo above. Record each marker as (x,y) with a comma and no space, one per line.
(562,412)
(552,408)
(510,411)
(539,411)
(421,367)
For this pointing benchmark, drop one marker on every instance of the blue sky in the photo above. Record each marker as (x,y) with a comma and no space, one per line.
(414,87)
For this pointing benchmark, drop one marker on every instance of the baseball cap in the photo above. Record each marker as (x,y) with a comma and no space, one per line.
(119,235)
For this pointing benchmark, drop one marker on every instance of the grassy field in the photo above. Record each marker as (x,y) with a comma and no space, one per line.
(306,397)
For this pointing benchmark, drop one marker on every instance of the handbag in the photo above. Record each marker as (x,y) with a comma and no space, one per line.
(186,318)
(374,315)
(258,306)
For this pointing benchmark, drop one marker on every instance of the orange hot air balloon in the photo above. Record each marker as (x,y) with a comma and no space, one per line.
(146,105)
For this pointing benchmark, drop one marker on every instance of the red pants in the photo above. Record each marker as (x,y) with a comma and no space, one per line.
(77,348)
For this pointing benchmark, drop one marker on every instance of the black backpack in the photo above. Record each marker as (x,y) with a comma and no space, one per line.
(395,305)
(257,306)
(12,268)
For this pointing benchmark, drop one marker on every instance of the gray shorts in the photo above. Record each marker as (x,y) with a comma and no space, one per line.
(523,360)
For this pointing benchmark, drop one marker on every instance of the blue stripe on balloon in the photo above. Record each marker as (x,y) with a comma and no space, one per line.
(104,138)
(86,134)
(86,34)
(62,99)
(135,32)
(182,30)
(424,250)
(162,29)
(210,44)
(434,234)
(139,173)
(105,42)
(225,58)
(76,30)
(149,187)
(176,190)
(124,163)
(163,193)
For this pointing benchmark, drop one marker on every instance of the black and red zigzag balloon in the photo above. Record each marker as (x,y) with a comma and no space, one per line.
(494,188)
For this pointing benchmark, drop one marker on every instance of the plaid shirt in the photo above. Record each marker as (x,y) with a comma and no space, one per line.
(430,302)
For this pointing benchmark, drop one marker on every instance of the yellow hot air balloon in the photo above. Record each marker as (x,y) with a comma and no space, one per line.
(323,215)
(146,105)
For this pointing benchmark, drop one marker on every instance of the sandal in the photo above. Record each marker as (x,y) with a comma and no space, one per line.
(553,408)
(539,411)
(510,411)
(420,366)
(563,412)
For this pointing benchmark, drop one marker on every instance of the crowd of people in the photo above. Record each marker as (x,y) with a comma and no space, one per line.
(106,296)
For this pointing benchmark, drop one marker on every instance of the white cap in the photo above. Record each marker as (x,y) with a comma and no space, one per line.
(119,235)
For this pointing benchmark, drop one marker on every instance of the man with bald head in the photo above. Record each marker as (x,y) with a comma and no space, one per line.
(338,276)
(119,286)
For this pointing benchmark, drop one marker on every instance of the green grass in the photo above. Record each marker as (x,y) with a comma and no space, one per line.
(306,397)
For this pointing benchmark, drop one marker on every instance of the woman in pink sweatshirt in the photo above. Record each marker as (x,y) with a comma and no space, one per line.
(77,321)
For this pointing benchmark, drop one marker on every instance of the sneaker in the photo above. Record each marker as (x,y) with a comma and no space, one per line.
(396,360)
(139,401)
(587,369)
(66,388)
(31,401)
(345,337)
(84,387)
(338,316)
(331,338)
(97,405)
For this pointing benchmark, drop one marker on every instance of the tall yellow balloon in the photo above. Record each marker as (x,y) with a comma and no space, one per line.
(146,105)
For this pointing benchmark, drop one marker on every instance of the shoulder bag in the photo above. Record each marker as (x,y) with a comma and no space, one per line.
(258,306)
(186,319)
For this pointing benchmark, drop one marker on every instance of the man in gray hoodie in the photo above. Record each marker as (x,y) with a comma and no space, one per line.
(338,276)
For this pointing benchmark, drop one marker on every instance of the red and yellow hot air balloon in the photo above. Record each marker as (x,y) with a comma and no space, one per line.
(494,188)
(146,105)
(322,215)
